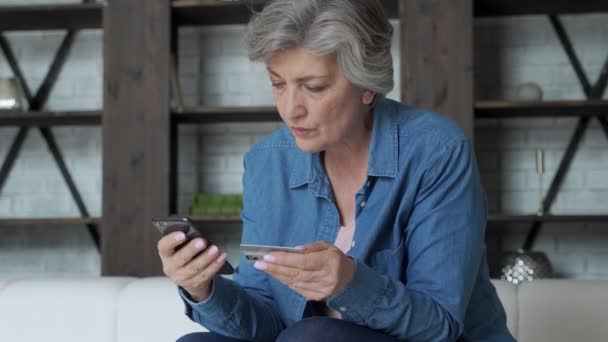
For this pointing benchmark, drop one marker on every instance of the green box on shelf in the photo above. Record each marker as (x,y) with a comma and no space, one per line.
(205,204)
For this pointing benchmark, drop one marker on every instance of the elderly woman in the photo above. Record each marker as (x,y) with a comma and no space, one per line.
(384,199)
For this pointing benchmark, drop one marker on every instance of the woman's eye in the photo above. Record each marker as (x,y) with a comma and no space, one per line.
(314,89)
(278,85)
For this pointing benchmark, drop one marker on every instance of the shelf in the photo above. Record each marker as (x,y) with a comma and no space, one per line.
(65,118)
(546,218)
(226,114)
(216,12)
(216,219)
(212,12)
(483,110)
(491,219)
(538,7)
(50,17)
(513,109)
(49,221)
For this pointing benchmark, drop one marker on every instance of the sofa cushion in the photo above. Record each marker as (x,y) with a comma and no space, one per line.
(563,310)
(151,310)
(60,309)
(507,292)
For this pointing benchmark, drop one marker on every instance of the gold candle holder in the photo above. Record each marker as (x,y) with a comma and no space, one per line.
(540,171)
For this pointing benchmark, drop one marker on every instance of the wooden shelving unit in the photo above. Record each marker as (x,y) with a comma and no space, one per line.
(485,8)
(50,118)
(510,109)
(492,219)
(225,114)
(50,17)
(216,219)
(219,12)
(69,18)
(49,221)
(584,110)
(528,219)
(214,12)
(138,123)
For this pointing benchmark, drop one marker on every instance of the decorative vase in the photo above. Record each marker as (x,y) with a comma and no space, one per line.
(529,91)
(520,266)
(10,96)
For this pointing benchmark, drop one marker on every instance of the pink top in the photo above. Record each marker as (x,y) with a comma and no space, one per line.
(344,241)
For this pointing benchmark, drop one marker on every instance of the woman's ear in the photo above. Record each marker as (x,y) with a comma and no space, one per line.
(367,97)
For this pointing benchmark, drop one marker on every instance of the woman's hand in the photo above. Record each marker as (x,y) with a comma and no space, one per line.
(192,266)
(319,273)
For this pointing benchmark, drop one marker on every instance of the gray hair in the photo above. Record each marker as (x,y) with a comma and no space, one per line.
(357,32)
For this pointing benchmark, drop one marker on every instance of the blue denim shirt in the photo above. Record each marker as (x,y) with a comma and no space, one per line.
(421,269)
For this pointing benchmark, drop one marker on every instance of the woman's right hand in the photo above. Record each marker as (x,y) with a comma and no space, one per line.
(192,266)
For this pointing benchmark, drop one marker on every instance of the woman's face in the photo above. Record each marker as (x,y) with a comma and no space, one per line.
(315,100)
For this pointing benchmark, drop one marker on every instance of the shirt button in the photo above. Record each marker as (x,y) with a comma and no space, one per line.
(343,308)
(368,184)
(352,245)
(363,204)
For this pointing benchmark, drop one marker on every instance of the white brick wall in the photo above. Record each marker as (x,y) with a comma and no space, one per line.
(512,51)
(214,71)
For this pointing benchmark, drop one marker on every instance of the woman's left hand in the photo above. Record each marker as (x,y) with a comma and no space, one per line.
(317,274)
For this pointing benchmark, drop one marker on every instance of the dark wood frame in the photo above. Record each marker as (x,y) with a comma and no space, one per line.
(136,129)
(50,17)
(437,71)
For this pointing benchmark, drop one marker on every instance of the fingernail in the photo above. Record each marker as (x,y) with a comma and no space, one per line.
(270,258)
(180,236)
(199,244)
(221,258)
(212,251)
(260,265)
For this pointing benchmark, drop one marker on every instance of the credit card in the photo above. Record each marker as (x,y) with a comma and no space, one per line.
(254,253)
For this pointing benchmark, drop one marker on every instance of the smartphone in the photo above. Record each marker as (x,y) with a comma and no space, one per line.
(172,224)
(254,253)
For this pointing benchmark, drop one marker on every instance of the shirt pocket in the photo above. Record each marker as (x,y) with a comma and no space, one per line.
(389,262)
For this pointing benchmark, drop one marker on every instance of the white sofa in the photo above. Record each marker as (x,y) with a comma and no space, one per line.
(149,310)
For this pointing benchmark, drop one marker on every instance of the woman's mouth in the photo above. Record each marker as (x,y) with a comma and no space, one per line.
(301,132)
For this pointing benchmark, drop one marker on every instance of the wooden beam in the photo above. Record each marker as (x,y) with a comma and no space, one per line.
(437,57)
(527,219)
(213,12)
(538,7)
(136,128)
(50,17)
(46,118)
(226,114)
(511,109)
(48,221)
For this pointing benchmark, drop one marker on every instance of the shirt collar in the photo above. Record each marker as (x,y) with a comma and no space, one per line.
(384,154)
(384,146)
(302,171)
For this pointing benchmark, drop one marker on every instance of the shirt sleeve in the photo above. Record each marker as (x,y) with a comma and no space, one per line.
(242,308)
(445,245)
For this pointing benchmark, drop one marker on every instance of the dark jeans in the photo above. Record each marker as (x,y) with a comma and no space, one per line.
(314,329)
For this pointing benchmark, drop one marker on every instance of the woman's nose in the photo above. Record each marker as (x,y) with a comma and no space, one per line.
(295,105)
